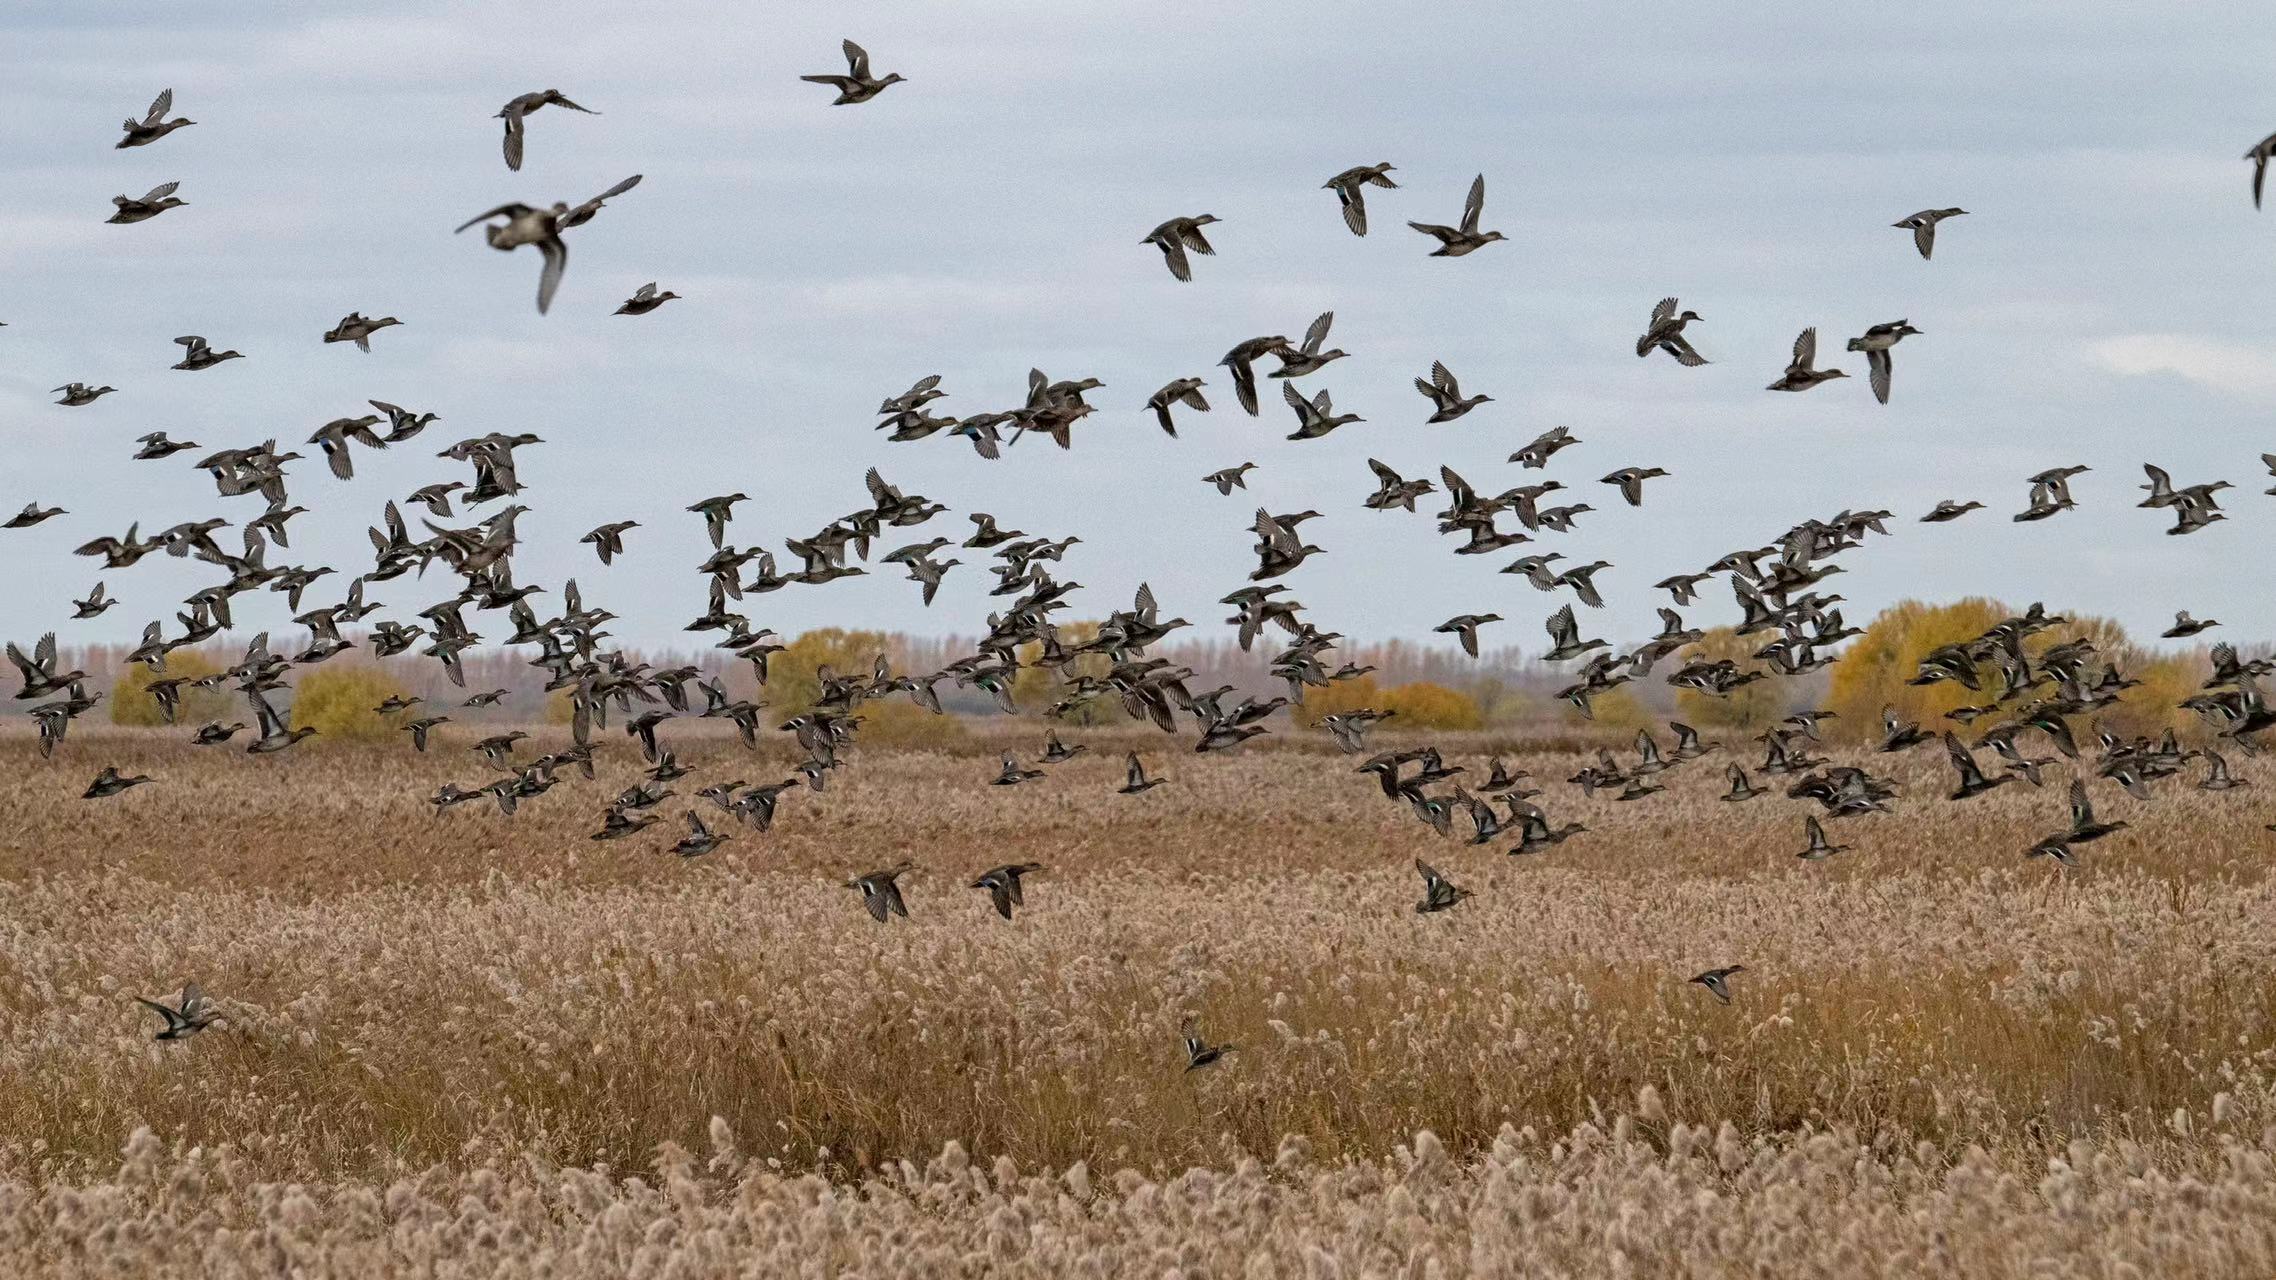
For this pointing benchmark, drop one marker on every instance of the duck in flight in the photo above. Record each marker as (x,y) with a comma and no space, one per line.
(190,1013)
(1178,237)
(881,892)
(1876,344)
(1445,394)
(1801,371)
(1665,333)
(515,111)
(1454,242)
(1718,981)
(1439,893)
(1350,187)
(161,198)
(644,300)
(154,125)
(527,225)
(1923,227)
(858,85)
(197,354)
(1003,885)
(357,328)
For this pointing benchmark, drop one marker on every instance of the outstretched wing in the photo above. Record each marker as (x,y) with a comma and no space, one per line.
(1475,205)
(857,60)
(556,260)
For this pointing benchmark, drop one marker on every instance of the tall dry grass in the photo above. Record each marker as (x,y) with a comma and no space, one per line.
(464,1037)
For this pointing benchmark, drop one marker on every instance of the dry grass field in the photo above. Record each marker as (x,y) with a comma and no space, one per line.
(475,1045)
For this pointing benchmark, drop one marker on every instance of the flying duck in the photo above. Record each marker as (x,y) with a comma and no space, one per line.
(1454,242)
(858,85)
(1875,344)
(1185,391)
(1801,375)
(1350,186)
(1179,236)
(154,125)
(189,1014)
(1718,981)
(881,892)
(76,394)
(198,355)
(1446,394)
(527,225)
(1003,885)
(1439,893)
(513,112)
(110,782)
(1923,227)
(160,199)
(1665,332)
(355,327)
(644,300)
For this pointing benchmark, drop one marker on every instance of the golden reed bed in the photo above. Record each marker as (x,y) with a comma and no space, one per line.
(458,1042)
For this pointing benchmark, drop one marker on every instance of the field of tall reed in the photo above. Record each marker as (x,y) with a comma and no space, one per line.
(467,1043)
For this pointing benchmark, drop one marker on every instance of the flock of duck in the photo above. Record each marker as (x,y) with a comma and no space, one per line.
(2031,695)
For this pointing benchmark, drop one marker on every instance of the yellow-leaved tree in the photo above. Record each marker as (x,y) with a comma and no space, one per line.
(1752,707)
(339,703)
(791,683)
(1877,670)
(1357,693)
(1423,705)
(131,703)
(1037,687)
(1616,708)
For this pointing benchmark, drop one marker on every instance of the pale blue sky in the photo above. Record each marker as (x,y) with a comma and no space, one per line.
(2106,302)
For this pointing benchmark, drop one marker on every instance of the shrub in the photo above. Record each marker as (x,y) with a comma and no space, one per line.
(1338,698)
(337,702)
(132,705)
(1617,708)
(1423,705)
(896,723)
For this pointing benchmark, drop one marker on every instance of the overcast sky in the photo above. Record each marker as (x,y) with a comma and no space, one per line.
(2107,301)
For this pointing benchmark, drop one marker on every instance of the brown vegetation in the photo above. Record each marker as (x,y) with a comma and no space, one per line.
(1938,1050)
